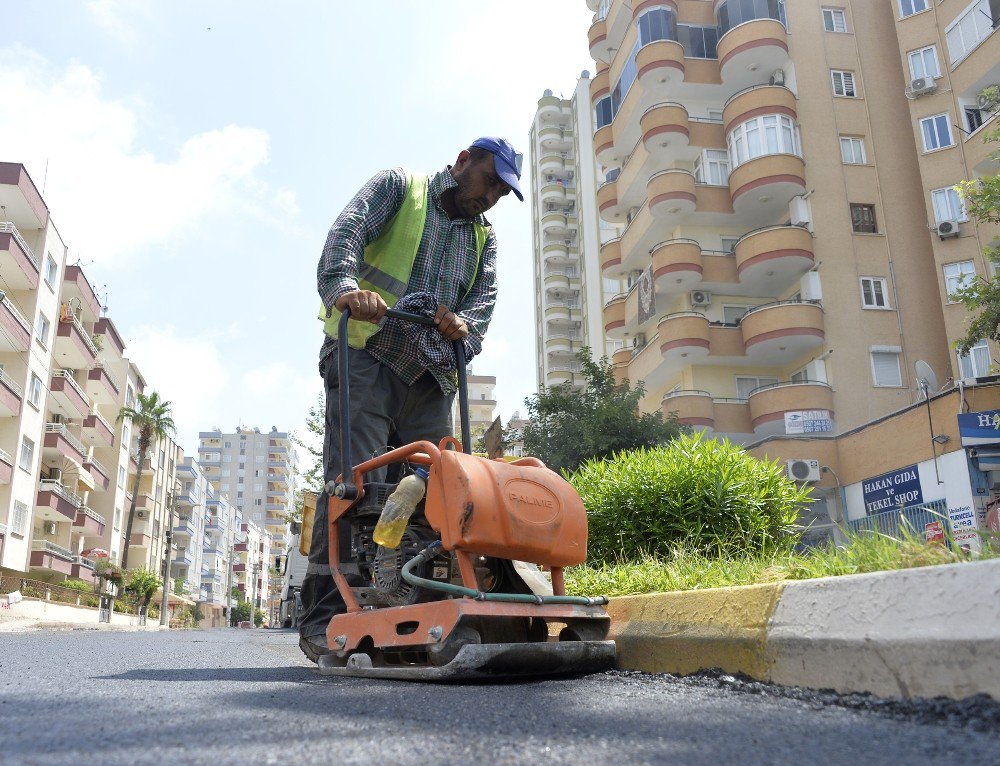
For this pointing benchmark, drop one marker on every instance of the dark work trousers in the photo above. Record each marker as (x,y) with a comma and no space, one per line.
(384,412)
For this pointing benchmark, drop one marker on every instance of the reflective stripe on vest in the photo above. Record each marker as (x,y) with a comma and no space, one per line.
(388,260)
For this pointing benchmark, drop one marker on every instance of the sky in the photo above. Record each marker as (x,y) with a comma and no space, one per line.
(194,155)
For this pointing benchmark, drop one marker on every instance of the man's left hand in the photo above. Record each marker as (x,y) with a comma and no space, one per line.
(450,324)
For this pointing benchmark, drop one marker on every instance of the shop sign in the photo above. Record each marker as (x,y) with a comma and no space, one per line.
(808,422)
(962,518)
(892,490)
(979,428)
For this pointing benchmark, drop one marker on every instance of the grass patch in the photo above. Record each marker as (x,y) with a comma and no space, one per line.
(687,569)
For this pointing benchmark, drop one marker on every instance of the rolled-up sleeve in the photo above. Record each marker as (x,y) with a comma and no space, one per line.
(361,222)
(477,307)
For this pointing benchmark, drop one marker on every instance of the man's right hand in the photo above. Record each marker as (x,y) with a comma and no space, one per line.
(365,305)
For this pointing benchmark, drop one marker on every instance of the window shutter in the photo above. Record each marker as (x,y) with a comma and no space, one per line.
(886,364)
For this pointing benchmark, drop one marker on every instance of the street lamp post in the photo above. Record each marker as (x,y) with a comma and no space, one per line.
(171,496)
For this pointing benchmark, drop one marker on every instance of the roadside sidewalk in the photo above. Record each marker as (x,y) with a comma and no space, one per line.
(38,614)
(927,632)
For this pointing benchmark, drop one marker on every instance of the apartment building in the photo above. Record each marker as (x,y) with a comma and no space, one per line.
(220,537)
(251,565)
(567,234)
(155,509)
(256,471)
(482,403)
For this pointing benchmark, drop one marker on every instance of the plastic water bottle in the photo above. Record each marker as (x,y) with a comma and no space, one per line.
(398,509)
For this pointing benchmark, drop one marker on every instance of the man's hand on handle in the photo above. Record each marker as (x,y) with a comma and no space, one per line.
(450,324)
(364,305)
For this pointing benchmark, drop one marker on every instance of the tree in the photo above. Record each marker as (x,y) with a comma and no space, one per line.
(315,425)
(151,418)
(566,427)
(142,584)
(982,202)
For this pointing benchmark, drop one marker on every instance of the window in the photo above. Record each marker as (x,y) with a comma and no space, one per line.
(770,134)
(602,113)
(118,519)
(834,20)
(712,167)
(852,150)
(731,315)
(936,131)
(227,458)
(42,330)
(948,205)
(35,390)
(227,472)
(973,25)
(976,363)
(746,384)
(19,521)
(258,458)
(885,368)
(228,445)
(843,83)
(657,24)
(957,276)
(730,13)
(801,376)
(51,271)
(223,487)
(257,501)
(873,292)
(909,7)
(974,118)
(260,487)
(699,42)
(863,219)
(729,244)
(924,63)
(27,457)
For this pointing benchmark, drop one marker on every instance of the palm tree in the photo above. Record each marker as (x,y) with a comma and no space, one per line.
(152,418)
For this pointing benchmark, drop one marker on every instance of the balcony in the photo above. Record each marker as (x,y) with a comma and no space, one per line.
(181,557)
(693,408)
(53,496)
(239,568)
(758,100)
(611,259)
(761,188)
(74,348)
(671,193)
(660,67)
(19,195)
(566,372)
(684,335)
(608,205)
(677,265)
(107,330)
(82,569)
(768,404)
(773,256)
(558,254)
(555,164)
(185,526)
(17,262)
(69,399)
(15,331)
(97,430)
(11,396)
(556,138)
(781,332)
(751,49)
(76,286)
(89,521)
(100,474)
(614,317)
(6,467)
(280,465)
(102,384)
(597,37)
(60,443)
(549,108)
(48,556)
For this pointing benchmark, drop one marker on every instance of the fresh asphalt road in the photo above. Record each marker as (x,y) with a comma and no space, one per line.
(248,697)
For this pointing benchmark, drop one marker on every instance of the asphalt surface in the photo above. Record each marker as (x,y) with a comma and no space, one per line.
(249,697)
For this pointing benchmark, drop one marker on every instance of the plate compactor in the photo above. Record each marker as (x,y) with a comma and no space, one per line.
(456,599)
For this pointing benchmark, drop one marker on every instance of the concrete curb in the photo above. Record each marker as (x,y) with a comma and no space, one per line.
(926,632)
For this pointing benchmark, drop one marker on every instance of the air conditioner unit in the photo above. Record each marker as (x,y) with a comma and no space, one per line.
(49,527)
(701,298)
(639,341)
(921,86)
(140,514)
(802,470)
(988,99)
(55,474)
(946,229)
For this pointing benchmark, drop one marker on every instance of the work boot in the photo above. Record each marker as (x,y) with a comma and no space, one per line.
(314,647)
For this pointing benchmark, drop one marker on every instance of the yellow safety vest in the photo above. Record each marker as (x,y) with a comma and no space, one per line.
(389,260)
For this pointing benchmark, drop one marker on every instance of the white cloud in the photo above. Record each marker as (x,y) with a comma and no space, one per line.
(113,16)
(186,371)
(281,378)
(112,197)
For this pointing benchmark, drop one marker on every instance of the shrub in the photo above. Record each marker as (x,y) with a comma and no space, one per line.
(700,494)
(77,585)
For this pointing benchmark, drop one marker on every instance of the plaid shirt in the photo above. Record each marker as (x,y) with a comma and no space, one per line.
(444,266)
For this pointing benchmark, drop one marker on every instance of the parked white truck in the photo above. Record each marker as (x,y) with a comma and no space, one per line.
(292,565)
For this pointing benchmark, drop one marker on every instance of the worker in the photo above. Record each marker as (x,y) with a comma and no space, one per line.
(404,234)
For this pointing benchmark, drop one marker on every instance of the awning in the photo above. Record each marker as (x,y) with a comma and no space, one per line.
(987,458)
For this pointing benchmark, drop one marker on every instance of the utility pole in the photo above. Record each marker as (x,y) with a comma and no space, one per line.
(171,499)
(229,573)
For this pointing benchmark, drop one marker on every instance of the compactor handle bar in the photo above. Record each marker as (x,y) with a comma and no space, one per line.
(345,488)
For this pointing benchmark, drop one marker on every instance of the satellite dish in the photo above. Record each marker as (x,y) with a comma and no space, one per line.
(925,376)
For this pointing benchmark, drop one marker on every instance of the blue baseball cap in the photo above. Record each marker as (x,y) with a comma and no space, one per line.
(506,161)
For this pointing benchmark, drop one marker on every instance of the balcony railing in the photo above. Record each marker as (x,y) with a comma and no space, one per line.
(7,381)
(69,316)
(59,428)
(67,375)
(7,227)
(49,547)
(103,366)
(5,457)
(83,560)
(92,514)
(98,465)
(18,316)
(51,485)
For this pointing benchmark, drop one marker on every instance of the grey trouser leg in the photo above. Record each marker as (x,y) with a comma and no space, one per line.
(384,412)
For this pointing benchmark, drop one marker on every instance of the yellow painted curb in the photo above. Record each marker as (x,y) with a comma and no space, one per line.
(687,631)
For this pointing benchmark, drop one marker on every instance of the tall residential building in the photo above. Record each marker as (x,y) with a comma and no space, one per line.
(221,536)
(155,508)
(256,471)
(482,403)
(251,565)
(567,235)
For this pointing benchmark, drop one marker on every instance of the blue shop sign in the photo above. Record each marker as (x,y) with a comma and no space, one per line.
(891,490)
(979,428)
